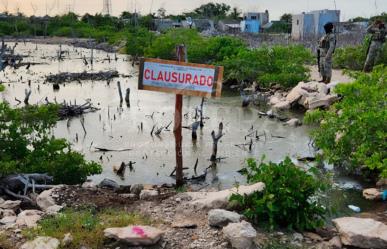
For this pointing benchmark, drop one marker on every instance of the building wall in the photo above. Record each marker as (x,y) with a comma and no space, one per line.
(250,26)
(309,25)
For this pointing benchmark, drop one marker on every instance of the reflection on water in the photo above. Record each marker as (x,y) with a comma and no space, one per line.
(116,127)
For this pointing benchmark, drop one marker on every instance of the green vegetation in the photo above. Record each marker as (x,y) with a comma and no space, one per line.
(276,65)
(86,226)
(2,87)
(353,57)
(27,146)
(353,132)
(289,198)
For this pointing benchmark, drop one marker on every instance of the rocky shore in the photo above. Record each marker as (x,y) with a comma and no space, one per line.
(179,220)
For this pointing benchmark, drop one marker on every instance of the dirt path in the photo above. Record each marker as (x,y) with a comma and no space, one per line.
(337,75)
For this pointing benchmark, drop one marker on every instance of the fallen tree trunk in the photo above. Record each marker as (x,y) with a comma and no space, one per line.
(67,110)
(70,77)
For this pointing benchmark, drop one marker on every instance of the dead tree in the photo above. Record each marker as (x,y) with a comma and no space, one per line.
(27,97)
(127,97)
(120,91)
(215,139)
(194,127)
(201,113)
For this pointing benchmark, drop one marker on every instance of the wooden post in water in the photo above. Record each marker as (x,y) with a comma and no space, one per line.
(181,54)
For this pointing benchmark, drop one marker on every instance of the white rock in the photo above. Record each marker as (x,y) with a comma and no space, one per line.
(14,205)
(294,122)
(89,185)
(135,235)
(372,194)
(136,189)
(221,217)
(29,218)
(148,194)
(8,220)
(283,105)
(67,239)
(52,210)
(335,243)
(241,235)
(381,183)
(6,212)
(321,101)
(298,237)
(41,243)
(274,100)
(220,199)
(363,233)
(45,199)
(1,200)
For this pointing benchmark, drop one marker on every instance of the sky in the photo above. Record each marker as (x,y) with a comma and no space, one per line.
(349,8)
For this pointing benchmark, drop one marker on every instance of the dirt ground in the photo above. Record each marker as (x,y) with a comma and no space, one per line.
(337,75)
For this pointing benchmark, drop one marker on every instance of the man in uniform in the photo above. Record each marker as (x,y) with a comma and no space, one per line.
(325,52)
(378,31)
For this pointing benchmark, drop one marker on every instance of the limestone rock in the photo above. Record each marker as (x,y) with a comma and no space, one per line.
(29,218)
(381,183)
(135,235)
(241,235)
(335,243)
(221,217)
(274,100)
(109,184)
(8,220)
(321,101)
(363,233)
(1,200)
(283,105)
(184,224)
(41,243)
(220,199)
(372,194)
(52,210)
(89,185)
(45,200)
(6,212)
(148,194)
(67,239)
(294,122)
(136,189)
(14,205)
(313,236)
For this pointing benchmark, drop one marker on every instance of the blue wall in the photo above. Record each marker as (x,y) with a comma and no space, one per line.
(251,26)
(309,25)
(326,17)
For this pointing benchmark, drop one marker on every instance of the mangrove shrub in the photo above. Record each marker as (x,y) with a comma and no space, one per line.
(27,146)
(289,198)
(353,132)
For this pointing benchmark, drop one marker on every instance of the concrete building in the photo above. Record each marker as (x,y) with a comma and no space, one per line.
(252,21)
(311,24)
(230,26)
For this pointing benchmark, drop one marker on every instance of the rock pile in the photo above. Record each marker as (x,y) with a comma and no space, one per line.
(310,95)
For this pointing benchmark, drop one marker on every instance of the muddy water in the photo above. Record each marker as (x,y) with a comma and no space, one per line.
(116,127)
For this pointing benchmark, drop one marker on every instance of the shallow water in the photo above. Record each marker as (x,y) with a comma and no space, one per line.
(116,127)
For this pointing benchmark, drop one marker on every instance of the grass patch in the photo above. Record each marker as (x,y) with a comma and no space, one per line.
(86,226)
(5,243)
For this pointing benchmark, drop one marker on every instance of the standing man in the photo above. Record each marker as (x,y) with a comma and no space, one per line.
(325,52)
(378,37)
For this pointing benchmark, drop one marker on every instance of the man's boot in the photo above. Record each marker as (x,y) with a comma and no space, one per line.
(323,79)
(327,80)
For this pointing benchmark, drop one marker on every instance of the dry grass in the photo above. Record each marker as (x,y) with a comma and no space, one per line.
(86,226)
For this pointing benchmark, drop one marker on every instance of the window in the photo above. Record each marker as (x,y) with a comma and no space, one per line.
(298,22)
(253,17)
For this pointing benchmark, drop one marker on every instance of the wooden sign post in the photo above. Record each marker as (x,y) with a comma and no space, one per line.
(181,78)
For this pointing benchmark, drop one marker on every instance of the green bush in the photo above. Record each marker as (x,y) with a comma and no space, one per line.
(353,132)
(282,65)
(27,146)
(353,57)
(289,198)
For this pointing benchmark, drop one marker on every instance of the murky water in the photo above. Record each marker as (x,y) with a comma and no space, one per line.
(116,127)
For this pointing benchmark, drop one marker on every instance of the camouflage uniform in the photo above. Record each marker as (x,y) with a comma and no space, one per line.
(326,48)
(377,40)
